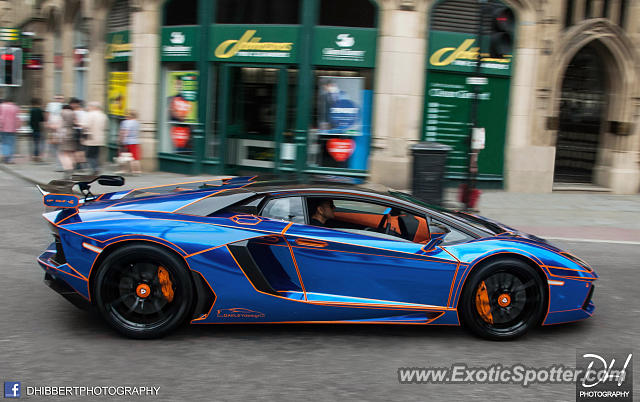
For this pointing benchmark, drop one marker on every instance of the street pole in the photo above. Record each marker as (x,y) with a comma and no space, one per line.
(473,113)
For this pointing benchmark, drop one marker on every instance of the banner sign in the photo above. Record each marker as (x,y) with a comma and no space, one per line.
(118,47)
(182,96)
(117,94)
(454,51)
(254,43)
(338,46)
(179,43)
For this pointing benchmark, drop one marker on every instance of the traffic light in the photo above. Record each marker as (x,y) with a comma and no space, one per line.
(10,66)
(502,25)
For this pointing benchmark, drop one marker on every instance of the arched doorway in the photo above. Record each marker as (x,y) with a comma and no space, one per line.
(582,113)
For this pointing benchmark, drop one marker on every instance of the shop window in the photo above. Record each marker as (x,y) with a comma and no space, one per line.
(623,13)
(80,56)
(179,116)
(119,16)
(181,12)
(588,6)
(340,131)
(257,12)
(568,13)
(347,13)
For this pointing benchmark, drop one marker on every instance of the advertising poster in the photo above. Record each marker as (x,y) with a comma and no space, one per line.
(340,102)
(117,93)
(182,96)
(182,107)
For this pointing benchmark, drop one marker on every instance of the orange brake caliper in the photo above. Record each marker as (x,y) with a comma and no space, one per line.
(482,303)
(165,282)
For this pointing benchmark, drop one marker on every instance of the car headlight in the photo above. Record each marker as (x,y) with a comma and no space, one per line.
(578,261)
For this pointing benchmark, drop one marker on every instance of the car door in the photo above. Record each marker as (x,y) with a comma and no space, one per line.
(356,266)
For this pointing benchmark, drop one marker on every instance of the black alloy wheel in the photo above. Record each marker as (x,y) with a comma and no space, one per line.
(502,300)
(143,291)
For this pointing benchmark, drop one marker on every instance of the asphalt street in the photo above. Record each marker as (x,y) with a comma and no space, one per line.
(44,340)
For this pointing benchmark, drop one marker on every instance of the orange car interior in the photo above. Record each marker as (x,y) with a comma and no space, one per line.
(408,226)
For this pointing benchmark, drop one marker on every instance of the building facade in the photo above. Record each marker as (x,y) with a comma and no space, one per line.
(346,87)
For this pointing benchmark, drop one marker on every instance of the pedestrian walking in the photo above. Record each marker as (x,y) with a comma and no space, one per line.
(95,124)
(129,140)
(36,120)
(9,124)
(54,124)
(78,132)
(68,148)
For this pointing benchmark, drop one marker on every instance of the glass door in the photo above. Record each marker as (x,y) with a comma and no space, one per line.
(253,105)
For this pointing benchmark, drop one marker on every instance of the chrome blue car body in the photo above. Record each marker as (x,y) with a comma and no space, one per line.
(254,269)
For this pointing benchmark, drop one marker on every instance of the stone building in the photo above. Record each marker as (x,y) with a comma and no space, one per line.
(345,87)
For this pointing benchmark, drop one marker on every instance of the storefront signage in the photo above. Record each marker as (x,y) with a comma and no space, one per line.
(249,43)
(341,149)
(453,51)
(338,46)
(448,100)
(9,34)
(180,136)
(118,46)
(339,104)
(117,93)
(179,43)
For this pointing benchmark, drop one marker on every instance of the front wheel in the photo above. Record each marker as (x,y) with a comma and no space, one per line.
(143,291)
(502,300)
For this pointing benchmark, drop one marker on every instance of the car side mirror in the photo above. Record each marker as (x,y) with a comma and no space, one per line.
(109,180)
(437,236)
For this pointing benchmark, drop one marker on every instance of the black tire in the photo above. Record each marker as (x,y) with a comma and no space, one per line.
(502,300)
(132,292)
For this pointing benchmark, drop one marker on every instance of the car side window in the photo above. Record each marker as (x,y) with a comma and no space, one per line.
(454,236)
(368,218)
(286,209)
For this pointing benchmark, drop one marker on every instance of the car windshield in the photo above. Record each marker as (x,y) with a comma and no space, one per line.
(472,220)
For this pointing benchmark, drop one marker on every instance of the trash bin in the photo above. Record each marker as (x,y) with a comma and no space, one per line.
(429,160)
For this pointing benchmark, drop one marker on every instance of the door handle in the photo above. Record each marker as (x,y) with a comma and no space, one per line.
(311,243)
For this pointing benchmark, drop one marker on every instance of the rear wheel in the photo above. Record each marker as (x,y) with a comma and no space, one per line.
(502,300)
(143,291)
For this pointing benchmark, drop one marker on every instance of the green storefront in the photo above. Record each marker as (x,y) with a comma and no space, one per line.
(451,60)
(272,91)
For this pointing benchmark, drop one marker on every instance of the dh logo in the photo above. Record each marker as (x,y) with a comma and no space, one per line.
(11,389)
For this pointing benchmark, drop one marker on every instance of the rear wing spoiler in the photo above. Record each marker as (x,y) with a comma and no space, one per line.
(60,193)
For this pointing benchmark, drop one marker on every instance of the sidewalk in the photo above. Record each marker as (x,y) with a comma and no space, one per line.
(559,215)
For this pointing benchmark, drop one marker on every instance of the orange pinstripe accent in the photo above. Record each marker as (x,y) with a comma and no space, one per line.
(354,305)
(286,228)
(210,195)
(76,271)
(455,275)
(73,214)
(311,243)
(376,255)
(295,263)
(567,269)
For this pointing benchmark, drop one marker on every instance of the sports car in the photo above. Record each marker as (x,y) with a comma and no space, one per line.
(241,250)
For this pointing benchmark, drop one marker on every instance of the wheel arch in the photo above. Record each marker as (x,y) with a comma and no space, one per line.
(505,255)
